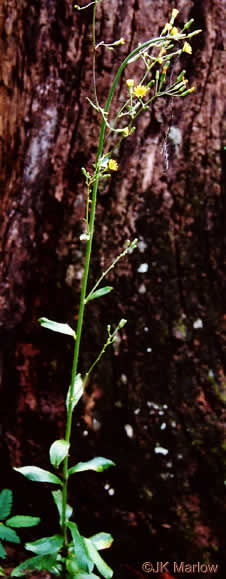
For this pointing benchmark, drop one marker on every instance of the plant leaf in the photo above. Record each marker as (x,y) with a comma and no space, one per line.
(7,534)
(6,501)
(46,545)
(23,521)
(39,563)
(57,327)
(58,499)
(38,474)
(80,549)
(99,293)
(3,553)
(2,572)
(99,463)
(75,392)
(58,450)
(87,576)
(102,567)
(102,540)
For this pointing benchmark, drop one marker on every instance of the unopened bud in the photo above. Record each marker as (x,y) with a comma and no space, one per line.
(194,33)
(188,24)
(122,323)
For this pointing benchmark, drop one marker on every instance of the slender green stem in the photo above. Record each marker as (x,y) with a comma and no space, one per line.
(110,340)
(134,53)
(129,246)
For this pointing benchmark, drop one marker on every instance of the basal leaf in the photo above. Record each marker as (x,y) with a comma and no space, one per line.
(87,576)
(57,327)
(7,534)
(102,540)
(80,549)
(39,563)
(99,293)
(99,463)
(3,553)
(58,450)
(37,474)
(6,500)
(46,545)
(102,567)
(22,521)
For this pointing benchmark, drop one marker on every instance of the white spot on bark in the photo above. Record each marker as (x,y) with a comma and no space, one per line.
(143,268)
(161,450)
(129,430)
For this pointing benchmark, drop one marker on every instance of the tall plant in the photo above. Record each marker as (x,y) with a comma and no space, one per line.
(68,553)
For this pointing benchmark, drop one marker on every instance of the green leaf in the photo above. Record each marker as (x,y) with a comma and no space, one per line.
(3,553)
(38,474)
(7,534)
(74,570)
(46,545)
(75,392)
(6,501)
(39,563)
(98,464)
(58,499)
(99,293)
(2,571)
(102,567)
(87,576)
(23,521)
(58,450)
(102,540)
(57,327)
(80,549)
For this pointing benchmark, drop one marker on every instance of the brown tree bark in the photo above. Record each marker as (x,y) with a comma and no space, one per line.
(164,378)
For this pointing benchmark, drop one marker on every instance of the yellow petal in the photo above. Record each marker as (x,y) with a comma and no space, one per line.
(112,165)
(187,48)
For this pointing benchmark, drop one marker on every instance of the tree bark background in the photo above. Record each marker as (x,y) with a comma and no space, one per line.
(162,382)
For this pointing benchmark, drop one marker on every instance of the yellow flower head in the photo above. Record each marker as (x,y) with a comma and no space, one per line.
(174,31)
(175,12)
(130,82)
(140,90)
(112,165)
(187,48)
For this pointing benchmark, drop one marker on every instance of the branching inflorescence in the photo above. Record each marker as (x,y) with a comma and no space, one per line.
(68,553)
